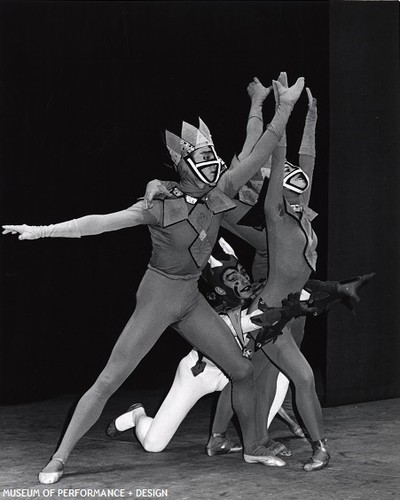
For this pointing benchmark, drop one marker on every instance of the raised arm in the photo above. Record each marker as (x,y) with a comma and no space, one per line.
(274,197)
(231,181)
(255,123)
(254,130)
(263,149)
(307,147)
(86,226)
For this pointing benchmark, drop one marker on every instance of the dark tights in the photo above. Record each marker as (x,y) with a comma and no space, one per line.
(161,302)
(285,354)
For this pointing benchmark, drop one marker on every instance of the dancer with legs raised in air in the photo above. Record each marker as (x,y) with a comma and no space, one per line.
(183,231)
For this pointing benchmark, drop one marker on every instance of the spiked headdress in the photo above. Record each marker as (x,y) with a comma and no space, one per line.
(193,138)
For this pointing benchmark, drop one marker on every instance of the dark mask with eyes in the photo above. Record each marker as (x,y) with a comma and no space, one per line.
(228,279)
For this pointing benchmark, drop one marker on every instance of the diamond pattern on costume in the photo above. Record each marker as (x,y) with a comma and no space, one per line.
(200,250)
(217,201)
(200,219)
(175,210)
(202,235)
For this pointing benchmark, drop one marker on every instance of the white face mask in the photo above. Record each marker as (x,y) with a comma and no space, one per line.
(295,179)
(208,171)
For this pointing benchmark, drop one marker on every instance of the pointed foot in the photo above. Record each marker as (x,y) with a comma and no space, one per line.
(52,472)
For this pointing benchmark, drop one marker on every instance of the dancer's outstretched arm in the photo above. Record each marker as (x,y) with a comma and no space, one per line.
(273,205)
(88,225)
(234,179)
(254,130)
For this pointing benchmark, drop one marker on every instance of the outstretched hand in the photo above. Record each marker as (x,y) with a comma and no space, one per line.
(312,103)
(282,79)
(25,232)
(257,91)
(154,188)
(285,94)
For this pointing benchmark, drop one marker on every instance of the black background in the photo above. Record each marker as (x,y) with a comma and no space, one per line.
(87,89)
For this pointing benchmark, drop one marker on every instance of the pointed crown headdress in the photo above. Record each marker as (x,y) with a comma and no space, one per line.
(191,138)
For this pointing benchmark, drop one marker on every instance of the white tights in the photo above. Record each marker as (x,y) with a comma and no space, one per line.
(154,434)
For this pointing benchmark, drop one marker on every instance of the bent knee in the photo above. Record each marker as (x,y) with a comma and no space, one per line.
(243,371)
(305,379)
(153,446)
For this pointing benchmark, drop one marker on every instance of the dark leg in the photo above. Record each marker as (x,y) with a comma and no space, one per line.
(203,328)
(285,354)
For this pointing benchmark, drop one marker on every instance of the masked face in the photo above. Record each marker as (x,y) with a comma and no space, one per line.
(237,280)
(229,280)
(295,179)
(205,164)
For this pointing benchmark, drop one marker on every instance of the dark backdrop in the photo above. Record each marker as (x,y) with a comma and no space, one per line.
(363,351)
(87,90)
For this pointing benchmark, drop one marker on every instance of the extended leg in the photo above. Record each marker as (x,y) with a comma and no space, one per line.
(139,335)
(287,356)
(286,412)
(219,443)
(224,411)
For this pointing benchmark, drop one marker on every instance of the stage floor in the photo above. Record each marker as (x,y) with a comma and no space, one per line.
(364,440)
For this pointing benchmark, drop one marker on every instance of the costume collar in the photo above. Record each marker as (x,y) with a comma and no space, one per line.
(216,200)
(176,209)
(179,194)
(295,209)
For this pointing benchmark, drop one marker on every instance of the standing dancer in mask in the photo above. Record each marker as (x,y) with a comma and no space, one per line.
(183,231)
(255,235)
(292,257)
(277,382)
